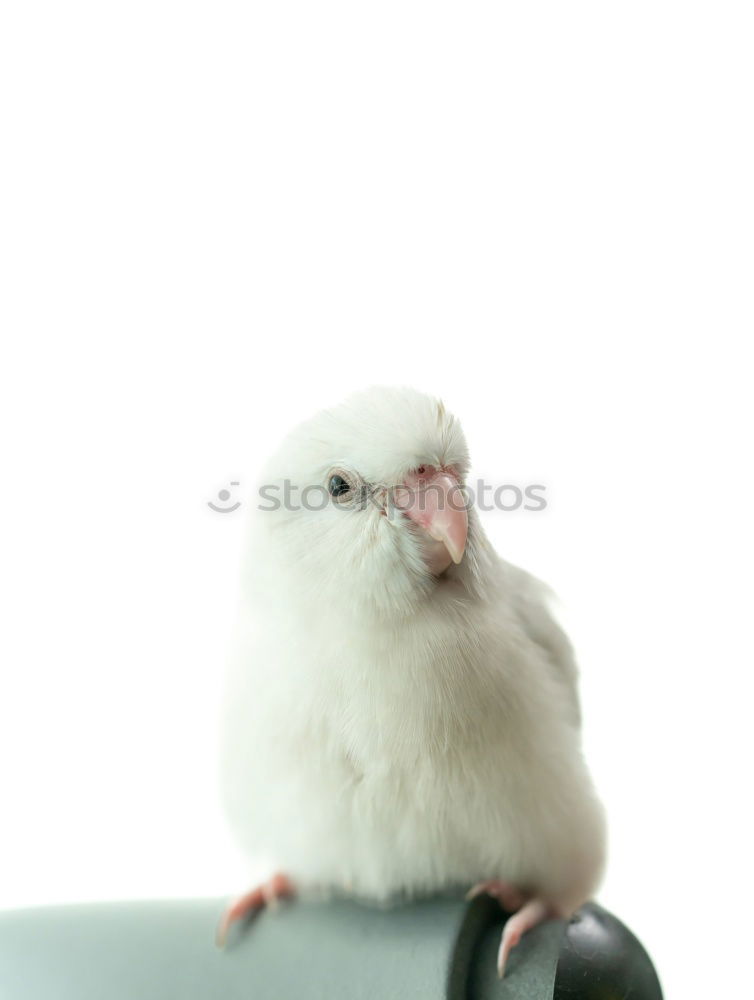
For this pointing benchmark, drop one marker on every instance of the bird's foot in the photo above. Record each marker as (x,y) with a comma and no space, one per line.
(267,894)
(525,914)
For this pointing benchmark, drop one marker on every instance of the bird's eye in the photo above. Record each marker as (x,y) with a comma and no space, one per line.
(347,488)
(339,487)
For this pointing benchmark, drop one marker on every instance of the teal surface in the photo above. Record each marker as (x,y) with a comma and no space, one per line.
(441,948)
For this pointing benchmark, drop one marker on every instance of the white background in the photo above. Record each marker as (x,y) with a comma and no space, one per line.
(217,218)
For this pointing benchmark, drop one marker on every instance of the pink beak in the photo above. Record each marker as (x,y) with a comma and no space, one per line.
(433,499)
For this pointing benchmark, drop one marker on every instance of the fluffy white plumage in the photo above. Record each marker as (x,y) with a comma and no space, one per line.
(389,732)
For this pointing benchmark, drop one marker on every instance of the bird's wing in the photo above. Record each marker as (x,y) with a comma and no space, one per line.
(532,600)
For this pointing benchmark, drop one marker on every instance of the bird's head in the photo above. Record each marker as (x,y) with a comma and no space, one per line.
(367,506)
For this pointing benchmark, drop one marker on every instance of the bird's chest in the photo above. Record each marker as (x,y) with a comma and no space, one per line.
(417,812)
(397,723)
(414,734)
(412,749)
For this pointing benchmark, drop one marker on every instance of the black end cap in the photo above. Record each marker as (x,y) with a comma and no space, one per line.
(600,959)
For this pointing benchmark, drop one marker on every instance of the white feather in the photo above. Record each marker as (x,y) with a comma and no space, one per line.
(388,732)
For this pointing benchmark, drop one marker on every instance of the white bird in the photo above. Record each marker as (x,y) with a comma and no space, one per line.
(402,715)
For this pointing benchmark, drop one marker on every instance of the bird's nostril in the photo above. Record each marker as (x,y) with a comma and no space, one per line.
(421,470)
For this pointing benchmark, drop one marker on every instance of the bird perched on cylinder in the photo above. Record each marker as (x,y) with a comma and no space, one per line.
(402,714)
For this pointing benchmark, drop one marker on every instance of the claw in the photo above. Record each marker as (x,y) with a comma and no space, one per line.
(268,894)
(530,914)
